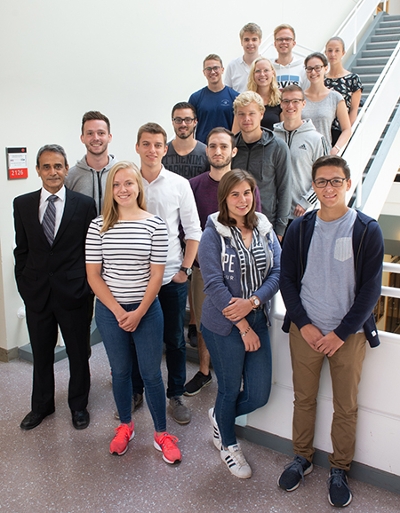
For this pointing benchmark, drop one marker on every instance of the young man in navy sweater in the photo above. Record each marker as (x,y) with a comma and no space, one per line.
(331,271)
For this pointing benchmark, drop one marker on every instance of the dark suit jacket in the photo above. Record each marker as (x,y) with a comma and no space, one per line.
(60,268)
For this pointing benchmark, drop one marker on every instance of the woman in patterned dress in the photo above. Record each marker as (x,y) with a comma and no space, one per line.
(345,82)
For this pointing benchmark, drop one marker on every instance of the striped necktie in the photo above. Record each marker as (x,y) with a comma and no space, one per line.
(49,218)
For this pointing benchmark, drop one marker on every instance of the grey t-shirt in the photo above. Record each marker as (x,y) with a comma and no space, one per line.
(323,113)
(188,166)
(328,285)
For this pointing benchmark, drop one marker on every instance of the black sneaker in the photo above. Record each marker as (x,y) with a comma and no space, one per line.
(198,382)
(192,335)
(339,492)
(294,473)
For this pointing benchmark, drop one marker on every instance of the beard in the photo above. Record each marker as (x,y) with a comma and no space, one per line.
(220,164)
(184,135)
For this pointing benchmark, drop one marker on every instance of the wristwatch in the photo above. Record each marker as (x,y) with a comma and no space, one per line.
(187,270)
(255,302)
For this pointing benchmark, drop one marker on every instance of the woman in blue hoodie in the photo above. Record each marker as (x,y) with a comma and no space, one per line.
(239,257)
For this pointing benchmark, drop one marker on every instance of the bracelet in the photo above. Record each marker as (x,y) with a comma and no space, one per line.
(337,147)
(244,333)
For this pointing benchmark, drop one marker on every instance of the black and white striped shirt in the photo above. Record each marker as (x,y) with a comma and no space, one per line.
(254,262)
(126,251)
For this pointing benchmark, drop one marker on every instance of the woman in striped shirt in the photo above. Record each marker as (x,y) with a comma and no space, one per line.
(126,250)
(239,257)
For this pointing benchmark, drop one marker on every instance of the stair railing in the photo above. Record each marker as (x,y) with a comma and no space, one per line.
(357,19)
(370,124)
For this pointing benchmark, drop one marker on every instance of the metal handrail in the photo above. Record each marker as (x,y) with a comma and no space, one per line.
(375,89)
(390,267)
(353,17)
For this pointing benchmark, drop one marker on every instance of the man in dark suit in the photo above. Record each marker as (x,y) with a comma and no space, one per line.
(50,232)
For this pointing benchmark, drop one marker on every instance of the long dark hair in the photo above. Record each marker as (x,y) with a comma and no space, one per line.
(227,183)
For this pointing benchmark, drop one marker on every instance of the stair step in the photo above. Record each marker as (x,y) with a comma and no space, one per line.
(367,88)
(372,61)
(387,31)
(384,37)
(372,54)
(384,45)
(367,70)
(390,17)
(390,23)
(369,78)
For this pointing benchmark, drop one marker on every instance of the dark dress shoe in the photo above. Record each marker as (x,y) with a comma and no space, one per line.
(80,419)
(33,419)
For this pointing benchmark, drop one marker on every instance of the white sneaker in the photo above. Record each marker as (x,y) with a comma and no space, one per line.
(235,461)
(216,434)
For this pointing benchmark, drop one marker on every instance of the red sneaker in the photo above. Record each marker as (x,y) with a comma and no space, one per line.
(167,444)
(123,435)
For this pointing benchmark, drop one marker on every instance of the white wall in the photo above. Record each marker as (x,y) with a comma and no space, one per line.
(131,60)
(378,426)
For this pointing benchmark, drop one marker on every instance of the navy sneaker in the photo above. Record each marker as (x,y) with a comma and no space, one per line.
(198,382)
(294,473)
(339,492)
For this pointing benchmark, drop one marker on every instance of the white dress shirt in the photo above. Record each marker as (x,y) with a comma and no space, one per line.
(170,197)
(59,204)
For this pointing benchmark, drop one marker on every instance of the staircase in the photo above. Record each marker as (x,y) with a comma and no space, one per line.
(375,49)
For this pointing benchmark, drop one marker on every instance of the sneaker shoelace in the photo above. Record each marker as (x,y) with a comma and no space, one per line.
(237,456)
(296,465)
(337,478)
(122,432)
(167,441)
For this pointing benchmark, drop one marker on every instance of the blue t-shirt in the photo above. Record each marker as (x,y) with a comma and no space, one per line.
(213,109)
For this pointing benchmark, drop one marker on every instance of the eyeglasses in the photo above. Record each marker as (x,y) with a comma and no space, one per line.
(310,69)
(179,121)
(209,69)
(284,39)
(293,102)
(259,71)
(320,183)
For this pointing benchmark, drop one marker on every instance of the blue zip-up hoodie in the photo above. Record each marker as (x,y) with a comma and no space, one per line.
(220,269)
(368,249)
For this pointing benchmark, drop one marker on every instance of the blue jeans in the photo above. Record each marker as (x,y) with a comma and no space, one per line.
(172,298)
(233,365)
(120,346)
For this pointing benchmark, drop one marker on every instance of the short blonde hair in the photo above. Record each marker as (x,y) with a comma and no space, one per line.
(246,98)
(285,26)
(110,208)
(274,93)
(252,28)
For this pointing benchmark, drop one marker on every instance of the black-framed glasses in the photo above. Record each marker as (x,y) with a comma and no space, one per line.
(179,121)
(284,39)
(323,182)
(296,101)
(317,68)
(209,69)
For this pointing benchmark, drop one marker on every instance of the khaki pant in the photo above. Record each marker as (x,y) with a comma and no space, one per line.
(345,368)
(198,296)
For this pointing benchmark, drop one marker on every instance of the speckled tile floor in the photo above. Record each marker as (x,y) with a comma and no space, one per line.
(55,468)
